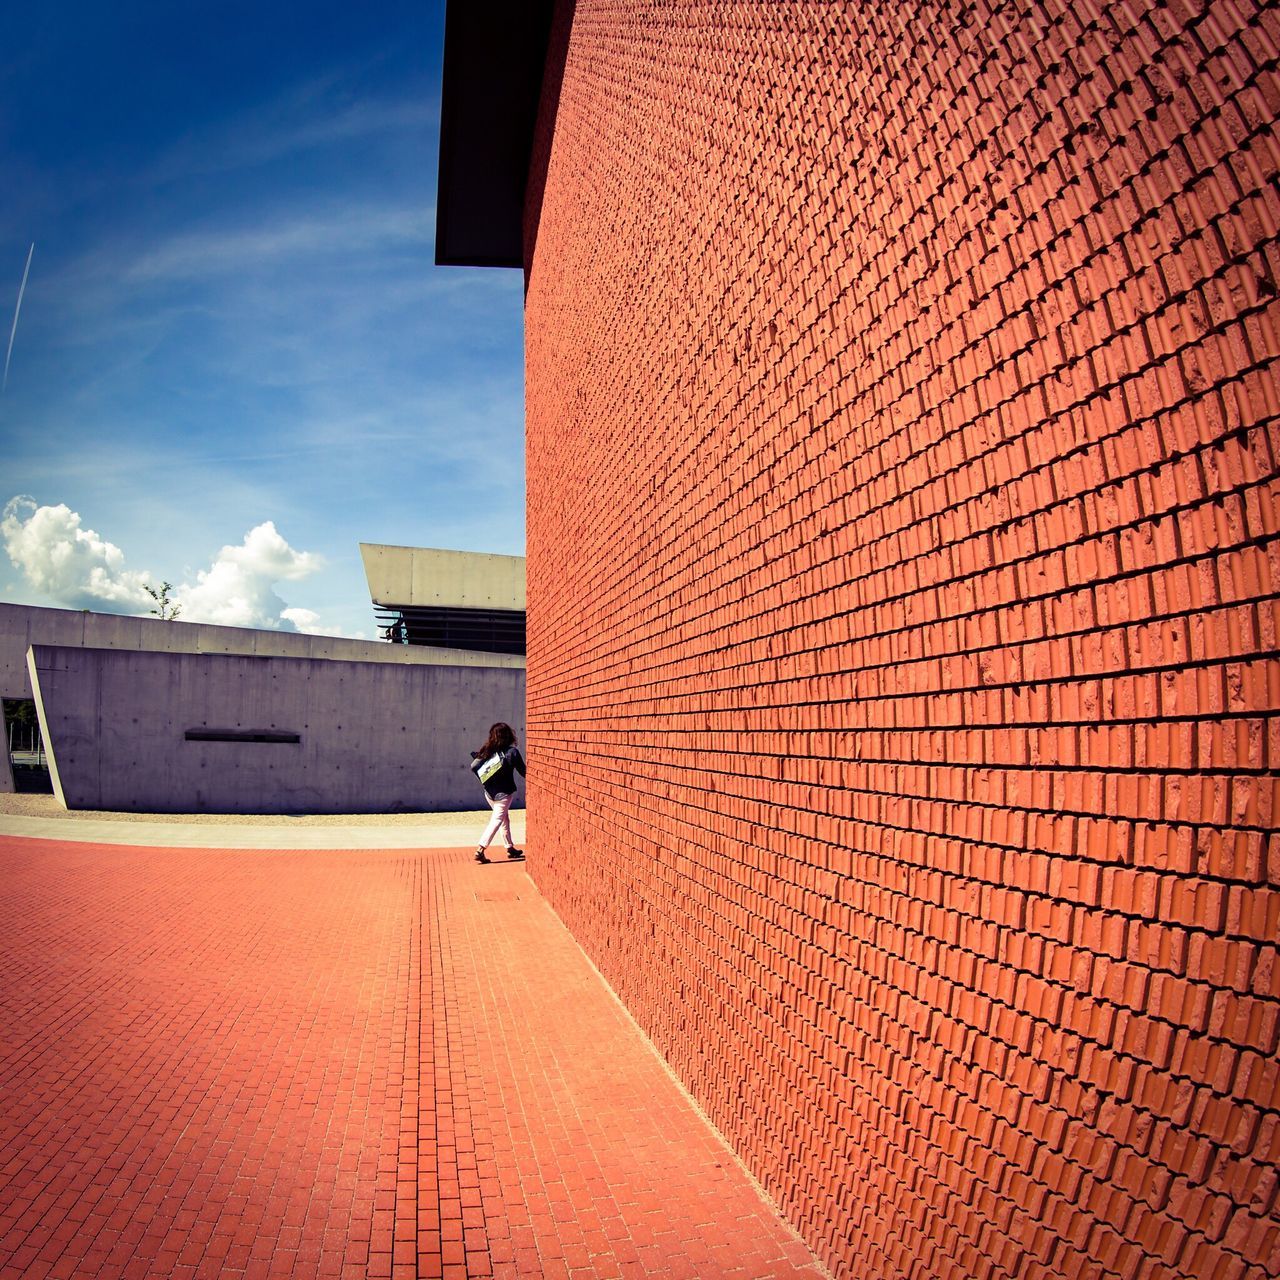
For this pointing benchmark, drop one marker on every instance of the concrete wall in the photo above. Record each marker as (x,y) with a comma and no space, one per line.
(25,625)
(447,579)
(904,554)
(375,737)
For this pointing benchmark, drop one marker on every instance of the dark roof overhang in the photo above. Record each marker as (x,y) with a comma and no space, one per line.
(494,60)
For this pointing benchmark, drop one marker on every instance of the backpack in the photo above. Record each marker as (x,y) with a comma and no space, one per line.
(490,767)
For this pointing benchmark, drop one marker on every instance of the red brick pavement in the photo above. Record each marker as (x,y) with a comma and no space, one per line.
(320,1064)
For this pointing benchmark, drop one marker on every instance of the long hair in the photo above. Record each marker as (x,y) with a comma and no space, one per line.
(499,739)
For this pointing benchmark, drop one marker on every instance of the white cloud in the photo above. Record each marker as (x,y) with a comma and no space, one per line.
(304,619)
(75,567)
(309,118)
(233,251)
(70,564)
(237,590)
(308,622)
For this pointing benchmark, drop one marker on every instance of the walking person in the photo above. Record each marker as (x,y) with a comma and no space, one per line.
(496,765)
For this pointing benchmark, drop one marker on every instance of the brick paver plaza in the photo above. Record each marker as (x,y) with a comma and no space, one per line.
(318,1063)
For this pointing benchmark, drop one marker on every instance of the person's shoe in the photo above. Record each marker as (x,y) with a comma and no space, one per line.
(514,853)
(480,856)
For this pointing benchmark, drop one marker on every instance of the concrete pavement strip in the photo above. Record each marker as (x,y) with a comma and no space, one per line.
(462,832)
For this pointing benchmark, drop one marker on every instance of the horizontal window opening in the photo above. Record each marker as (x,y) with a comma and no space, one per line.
(241,735)
(479,630)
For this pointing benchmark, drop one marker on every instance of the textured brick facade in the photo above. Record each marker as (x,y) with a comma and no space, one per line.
(904,705)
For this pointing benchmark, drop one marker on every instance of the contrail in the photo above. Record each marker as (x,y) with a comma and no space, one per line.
(22,288)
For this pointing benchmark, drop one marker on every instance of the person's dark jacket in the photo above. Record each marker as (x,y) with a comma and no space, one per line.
(503,783)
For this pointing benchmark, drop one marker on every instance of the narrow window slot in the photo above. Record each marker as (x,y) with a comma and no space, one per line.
(241,735)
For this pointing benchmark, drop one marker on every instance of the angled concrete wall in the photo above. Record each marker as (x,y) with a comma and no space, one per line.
(372,737)
(24,625)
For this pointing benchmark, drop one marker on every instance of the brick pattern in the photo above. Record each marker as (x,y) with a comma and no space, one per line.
(203,1062)
(247,1065)
(903,572)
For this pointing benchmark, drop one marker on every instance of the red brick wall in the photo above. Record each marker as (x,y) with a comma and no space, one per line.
(903,608)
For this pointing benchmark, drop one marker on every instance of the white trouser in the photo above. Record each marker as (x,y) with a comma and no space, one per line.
(501,821)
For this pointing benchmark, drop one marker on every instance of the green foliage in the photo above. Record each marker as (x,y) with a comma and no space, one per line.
(165,608)
(19,711)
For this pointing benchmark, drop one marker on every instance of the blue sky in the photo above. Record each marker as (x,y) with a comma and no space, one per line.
(232,315)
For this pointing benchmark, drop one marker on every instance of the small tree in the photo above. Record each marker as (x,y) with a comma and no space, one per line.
(165,608)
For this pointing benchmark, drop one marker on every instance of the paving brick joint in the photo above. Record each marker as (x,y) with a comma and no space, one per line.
(336,1063)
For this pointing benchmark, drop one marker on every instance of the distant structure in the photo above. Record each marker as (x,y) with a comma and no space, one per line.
(455,599)
(145,716)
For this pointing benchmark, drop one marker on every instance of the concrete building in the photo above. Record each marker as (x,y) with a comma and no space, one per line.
(456,599)
(148,716)
(153,732)
(902,544)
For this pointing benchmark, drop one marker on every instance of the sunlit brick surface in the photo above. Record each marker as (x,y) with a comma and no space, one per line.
(248,1064)
(903,563)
